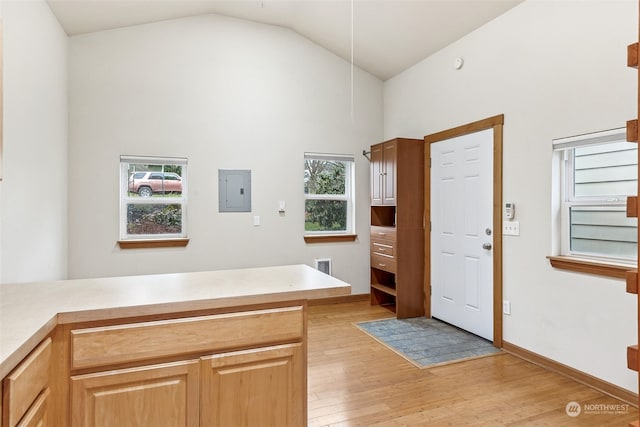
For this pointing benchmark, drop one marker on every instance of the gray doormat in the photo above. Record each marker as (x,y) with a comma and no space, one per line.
(428,342)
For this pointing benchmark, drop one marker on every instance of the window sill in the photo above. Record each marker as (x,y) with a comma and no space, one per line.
(331,238)
(160,243)
(599,268)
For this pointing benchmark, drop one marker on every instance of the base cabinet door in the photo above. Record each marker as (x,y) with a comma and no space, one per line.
(26,390)
(156,395)
(37,415)
(263,387)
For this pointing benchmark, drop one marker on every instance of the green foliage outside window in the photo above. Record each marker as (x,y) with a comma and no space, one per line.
(325,213)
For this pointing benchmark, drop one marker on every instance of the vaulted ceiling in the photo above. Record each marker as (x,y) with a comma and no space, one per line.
(384,37)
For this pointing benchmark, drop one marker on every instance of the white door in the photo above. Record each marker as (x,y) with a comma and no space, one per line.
(462,232)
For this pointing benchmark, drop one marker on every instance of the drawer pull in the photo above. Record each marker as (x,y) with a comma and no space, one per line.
(382,234)
(382,265)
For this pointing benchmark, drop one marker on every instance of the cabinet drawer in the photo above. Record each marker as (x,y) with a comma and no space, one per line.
(148,340)
(23,386)
(382,262)
(382,248)
(385,233)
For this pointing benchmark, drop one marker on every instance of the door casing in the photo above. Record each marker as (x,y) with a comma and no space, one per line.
(496,123)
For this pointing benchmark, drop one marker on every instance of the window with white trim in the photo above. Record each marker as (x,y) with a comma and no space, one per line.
(153,198)
(597,173)
(329,194)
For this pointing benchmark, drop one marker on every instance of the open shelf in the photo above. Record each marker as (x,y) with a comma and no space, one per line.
(383,279)
(380,295)
(383,216)
(385,289)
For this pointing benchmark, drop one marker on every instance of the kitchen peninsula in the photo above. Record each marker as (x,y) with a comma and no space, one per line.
(184,349)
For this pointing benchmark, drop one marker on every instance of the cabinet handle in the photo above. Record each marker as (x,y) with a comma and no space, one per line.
(382,265)
(382,234)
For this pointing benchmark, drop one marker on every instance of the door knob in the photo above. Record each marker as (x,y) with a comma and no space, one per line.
(487,246)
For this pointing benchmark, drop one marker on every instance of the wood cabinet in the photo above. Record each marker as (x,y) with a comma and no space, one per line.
(397,226)
(154,395)
(26,390)
(234,369)
(383,173)
(376,174)
(383,248)
(254,387)
(244,388)
(145,346)
(37,415)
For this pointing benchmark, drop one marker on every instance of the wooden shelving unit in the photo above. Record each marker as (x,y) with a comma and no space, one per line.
(632,212)
(397,229)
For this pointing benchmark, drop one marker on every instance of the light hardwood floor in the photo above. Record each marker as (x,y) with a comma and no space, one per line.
(356,381)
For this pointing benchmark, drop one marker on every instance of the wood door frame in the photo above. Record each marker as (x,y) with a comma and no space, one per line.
(496,123)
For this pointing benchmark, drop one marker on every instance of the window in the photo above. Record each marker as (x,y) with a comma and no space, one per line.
(328,192)
(597,173)
(153,198)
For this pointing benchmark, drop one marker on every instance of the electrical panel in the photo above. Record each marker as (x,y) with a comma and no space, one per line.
(234,190)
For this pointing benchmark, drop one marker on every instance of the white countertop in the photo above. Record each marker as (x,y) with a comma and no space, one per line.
(30,311)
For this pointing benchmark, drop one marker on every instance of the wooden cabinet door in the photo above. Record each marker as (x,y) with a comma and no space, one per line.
(23,387)
(260,387)
(37,414)
(389,175)
(157,395)
(376,174)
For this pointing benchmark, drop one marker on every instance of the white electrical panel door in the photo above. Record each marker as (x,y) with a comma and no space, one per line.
(234,190)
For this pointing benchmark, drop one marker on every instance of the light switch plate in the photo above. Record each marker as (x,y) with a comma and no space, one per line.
(511,228)
(506,307)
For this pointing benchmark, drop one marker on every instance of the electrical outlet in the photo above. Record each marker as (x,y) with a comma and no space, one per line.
(506,307)
(511,228)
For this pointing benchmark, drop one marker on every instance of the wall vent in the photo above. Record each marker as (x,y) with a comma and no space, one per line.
(324,265)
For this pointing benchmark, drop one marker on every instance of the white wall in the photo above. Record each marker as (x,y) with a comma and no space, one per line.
(33,191)
(226,94)
(555,69)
